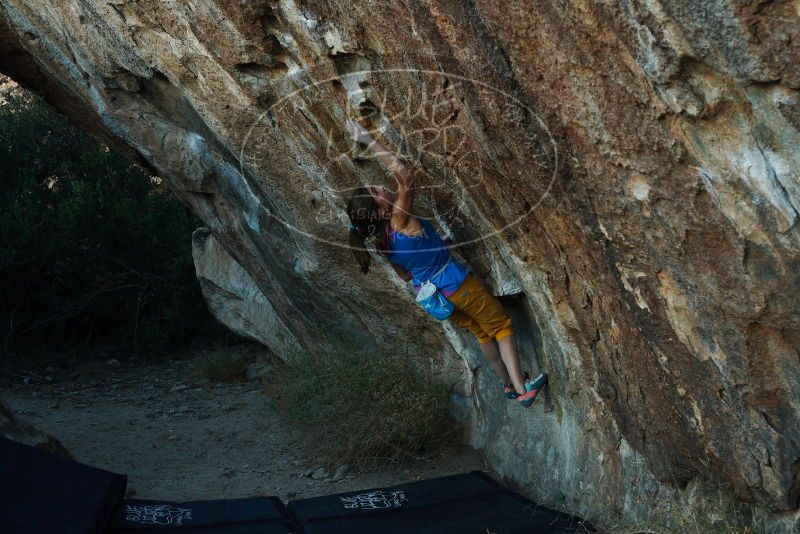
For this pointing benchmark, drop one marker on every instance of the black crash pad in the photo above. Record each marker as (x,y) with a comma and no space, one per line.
(41,492)
(258,515)
(467,503)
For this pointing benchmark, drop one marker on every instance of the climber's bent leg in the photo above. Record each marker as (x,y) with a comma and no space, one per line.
(508,352)
(481,312)
(492,353)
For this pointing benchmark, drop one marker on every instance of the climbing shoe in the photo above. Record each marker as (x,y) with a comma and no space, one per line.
(509,391)
(532,388)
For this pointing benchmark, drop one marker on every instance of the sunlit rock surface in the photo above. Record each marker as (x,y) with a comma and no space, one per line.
(234,298)
(626,172)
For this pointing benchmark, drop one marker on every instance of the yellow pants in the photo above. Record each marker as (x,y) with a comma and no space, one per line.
(479,311)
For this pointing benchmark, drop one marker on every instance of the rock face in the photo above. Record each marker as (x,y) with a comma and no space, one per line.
(627,173)
(234,298)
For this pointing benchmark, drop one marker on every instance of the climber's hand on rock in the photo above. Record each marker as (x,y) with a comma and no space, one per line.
(358,133)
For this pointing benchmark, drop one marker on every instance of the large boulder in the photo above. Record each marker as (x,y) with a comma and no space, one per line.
(626,174)
(17,429)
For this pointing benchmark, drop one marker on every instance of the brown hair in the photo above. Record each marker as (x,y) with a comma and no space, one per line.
(366,222)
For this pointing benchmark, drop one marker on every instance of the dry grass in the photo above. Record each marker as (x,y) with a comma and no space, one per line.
(365,409)
(222,367)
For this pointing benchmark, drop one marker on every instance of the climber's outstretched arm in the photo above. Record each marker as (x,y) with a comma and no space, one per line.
(405,178)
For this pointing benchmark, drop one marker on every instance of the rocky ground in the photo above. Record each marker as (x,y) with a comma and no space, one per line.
(183,438)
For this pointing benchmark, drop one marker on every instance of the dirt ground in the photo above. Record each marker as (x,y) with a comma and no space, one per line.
(181,438)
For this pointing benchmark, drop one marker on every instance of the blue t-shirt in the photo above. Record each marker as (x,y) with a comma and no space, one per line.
(423,255)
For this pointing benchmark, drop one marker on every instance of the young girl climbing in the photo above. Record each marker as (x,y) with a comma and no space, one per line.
(415,251)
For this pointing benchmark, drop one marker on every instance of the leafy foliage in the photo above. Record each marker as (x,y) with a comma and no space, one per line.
(95,252)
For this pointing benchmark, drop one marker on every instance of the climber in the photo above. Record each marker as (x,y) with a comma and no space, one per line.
(415,251)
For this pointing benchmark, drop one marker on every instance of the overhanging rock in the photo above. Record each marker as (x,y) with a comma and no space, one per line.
(630,169)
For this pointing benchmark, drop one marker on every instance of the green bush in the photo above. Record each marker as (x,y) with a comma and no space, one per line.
(95,252)
(365,409)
